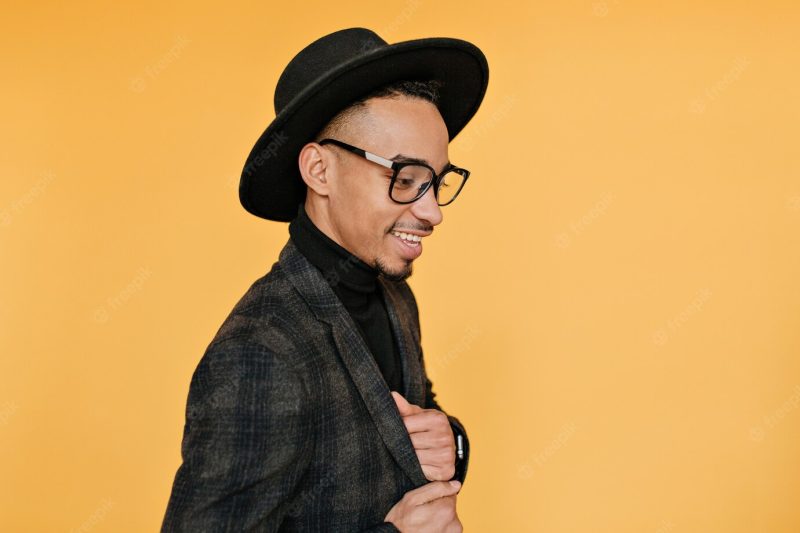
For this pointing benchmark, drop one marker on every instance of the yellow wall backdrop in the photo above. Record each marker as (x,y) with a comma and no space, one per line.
(612,307)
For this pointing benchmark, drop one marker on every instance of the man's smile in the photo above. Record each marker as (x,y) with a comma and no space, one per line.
(410,246)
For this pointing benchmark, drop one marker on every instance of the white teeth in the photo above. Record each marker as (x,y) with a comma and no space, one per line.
(407,236)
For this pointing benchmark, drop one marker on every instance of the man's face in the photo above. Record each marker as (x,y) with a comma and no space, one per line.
(362,217)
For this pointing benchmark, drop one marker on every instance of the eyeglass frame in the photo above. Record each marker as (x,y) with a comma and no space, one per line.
(395,166)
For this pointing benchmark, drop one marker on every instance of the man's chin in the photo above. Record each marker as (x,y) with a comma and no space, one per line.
(395,273)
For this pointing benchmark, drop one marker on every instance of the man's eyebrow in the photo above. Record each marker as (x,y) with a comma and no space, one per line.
(402,158)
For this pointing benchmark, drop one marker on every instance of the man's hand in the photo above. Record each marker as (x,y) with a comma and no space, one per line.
(429,508)
(432,438)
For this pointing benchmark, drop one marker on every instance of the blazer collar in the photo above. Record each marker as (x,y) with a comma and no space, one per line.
(359,361)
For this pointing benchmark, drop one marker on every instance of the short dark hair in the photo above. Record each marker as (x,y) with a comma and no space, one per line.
(427,90)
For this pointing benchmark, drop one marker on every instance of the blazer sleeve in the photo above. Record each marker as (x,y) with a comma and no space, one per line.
(246,443)
(458,427)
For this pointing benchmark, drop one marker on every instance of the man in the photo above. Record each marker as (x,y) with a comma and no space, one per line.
(311,409)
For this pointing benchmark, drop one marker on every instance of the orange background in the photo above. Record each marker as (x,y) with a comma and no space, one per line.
(611,306)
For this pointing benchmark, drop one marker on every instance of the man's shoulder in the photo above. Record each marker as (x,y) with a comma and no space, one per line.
(265,313)
(255,357)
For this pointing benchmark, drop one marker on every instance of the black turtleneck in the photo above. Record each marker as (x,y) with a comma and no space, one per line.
(356,284)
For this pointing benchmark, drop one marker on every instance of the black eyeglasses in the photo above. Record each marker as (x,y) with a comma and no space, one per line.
(411,180)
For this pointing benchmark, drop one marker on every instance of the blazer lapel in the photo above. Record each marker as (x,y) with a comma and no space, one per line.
(358,360)
(408,343)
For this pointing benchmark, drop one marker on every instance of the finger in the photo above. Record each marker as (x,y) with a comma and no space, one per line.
(440,457)
(403,406)
(428,420)
(433,491)
(430,439)
(438,472)
(442,513)
(436,426)
(422,440)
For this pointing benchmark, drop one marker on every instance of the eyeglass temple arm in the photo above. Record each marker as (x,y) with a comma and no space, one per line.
(388,163)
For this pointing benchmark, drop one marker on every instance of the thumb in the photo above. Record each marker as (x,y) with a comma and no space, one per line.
(403,406)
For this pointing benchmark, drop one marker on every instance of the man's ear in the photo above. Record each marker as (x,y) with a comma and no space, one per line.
(315,167)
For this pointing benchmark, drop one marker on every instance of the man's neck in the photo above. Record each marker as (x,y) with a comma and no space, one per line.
(350,277)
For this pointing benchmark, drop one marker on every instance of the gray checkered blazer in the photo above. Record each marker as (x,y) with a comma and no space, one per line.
(289,423)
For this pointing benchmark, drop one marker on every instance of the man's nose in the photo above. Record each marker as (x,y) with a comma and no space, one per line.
(427,208)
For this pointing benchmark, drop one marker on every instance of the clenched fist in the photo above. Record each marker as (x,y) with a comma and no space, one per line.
(432,438)
(430,508)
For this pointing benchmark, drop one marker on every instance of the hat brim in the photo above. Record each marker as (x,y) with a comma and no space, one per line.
(271,186)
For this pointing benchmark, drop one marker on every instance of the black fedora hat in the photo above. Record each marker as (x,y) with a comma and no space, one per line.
(331,73)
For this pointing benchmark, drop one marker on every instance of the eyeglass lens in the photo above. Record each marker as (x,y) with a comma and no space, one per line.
(411,180)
